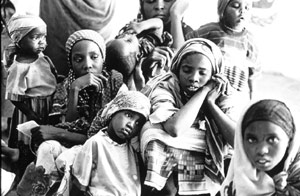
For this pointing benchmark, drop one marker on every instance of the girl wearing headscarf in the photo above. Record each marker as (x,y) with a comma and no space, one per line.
(181,145)
(232,35)
(31,80)
(80,96)
(107,163)
(266,158)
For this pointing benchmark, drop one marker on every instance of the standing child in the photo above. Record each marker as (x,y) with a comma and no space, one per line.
(107,163)
(31,78)
(135,42)
(266,159)
(236,42)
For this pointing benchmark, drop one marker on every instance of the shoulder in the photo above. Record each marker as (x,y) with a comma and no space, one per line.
(205,30)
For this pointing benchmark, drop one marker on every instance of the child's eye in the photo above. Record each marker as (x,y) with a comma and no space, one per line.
(273,140)
(251,140)
(235,5)
(186,69)
(77,59)
(129,115)
(202,72)
(95,56)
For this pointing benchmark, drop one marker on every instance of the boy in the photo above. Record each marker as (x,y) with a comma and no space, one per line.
(107,163)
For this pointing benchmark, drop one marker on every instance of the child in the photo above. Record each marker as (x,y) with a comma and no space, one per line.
(237,45)
(266,159)
(107,164)
(31,78)
(132,45)
(182,145)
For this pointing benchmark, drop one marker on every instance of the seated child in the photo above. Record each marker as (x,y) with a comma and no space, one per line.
(135,41)
(266,158)
(107,163)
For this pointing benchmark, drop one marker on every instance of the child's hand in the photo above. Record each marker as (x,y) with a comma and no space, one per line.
(178,8)
(134,28)
(97,80)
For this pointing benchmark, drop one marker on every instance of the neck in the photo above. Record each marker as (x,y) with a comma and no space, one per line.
(26,57)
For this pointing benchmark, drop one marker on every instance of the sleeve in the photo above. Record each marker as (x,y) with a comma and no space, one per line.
(163,105)
(16,83)
(84,164)
(293,180)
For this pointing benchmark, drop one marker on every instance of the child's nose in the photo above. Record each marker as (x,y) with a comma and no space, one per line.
(262,149)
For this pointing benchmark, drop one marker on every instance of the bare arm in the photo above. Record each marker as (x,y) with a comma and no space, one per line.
(31,115)
(153,23)
(224,122)
(176,13)
(46,132)
(184,118)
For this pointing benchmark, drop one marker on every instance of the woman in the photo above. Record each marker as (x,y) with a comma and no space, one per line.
(266,159)
(187,130)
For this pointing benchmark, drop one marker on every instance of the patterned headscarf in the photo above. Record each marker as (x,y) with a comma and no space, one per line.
(199,45)
(20,25)
(273,111)
(85,34)
(127,100)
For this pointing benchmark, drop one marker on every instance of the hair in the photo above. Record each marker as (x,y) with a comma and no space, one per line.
(119,59)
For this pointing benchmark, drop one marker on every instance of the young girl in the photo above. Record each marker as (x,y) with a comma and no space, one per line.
(31,80)
(266,159)
(237,44)
(135,42)
(183,142)
(107,163)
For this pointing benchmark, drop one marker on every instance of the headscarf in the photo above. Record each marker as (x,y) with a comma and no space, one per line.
(273,111)
(85,34)
(222,4)
(202,46)
(20,25)
(127,100)
(244,179)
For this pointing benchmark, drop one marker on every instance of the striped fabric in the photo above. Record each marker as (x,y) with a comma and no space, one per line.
(239,51)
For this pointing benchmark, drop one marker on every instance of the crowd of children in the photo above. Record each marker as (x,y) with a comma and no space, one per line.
(161,109)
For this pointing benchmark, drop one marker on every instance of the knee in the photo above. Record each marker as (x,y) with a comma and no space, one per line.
(47,147)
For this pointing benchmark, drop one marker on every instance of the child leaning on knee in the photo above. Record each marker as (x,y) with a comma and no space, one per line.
(107,163)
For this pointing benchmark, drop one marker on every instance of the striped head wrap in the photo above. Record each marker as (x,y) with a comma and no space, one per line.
(273,111)
(127,100)
(199,45)
(85,34)
(20,25)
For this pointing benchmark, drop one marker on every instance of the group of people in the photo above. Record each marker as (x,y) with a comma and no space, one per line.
(161,109)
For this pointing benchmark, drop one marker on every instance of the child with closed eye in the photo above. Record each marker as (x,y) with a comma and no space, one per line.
(107,163)
(135,42)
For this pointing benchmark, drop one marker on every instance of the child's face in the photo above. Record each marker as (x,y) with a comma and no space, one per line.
(194,72)
(237,14)
(125,125)
(265,144)
(158,9)
(35,41)
(86,58)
